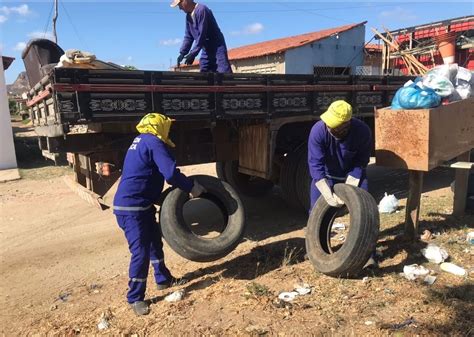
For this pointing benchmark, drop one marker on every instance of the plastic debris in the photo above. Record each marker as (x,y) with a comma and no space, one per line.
(388,204)
(430,279)
(435,254)
(175,297)
(470,238)
(426,236)
(103,324)
(288,296)
(338,226)
(365,279)
(453,269)
(303,289)
(413,271)
(64,297)
(369,322)
(104,320)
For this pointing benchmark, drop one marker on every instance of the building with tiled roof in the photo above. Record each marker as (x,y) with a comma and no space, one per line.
(329,51)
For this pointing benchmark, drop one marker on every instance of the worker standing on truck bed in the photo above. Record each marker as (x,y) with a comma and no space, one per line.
(338,152)
(148,163)
(203,30)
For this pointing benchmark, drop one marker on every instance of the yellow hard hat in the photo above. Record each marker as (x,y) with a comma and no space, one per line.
(158,125)
(338,113)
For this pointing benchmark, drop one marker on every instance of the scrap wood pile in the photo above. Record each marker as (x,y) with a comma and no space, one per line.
(414,66)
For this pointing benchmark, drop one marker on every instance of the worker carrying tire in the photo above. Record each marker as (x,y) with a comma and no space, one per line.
(338,152)
(202,30)
(148,163)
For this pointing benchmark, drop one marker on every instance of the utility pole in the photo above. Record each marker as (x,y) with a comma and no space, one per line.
(55,18)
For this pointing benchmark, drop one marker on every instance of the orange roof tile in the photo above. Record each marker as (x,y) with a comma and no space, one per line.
(280,45)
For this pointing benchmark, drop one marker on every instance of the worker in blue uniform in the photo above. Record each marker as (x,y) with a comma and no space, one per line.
(338,152)
(202,30)
(148,163)
(339,149)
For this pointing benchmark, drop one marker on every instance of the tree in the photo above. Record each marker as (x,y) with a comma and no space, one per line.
(12,107)
(130,67)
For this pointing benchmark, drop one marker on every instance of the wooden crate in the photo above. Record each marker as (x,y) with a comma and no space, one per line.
(423,139)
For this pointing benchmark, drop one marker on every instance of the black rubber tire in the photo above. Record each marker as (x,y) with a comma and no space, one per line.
(288,178)
(220,170)
(244,184)
(303,181)
(179,235)
(361,238)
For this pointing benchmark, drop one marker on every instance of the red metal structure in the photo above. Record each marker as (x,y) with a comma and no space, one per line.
(421,41)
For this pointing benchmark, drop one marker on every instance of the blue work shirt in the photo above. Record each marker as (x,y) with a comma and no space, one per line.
(148,163)
(202,28)
(335,159)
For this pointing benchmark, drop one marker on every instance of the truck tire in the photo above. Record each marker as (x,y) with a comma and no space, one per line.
(179,235)
(288,178)
(303,182)
(244,184)
(220,170)
(361,238)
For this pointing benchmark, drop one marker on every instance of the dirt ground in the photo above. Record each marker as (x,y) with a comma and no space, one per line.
(64,266)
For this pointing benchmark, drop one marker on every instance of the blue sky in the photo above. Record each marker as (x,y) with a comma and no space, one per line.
(148,34)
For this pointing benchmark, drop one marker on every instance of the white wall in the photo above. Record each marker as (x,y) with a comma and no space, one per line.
(7,148)
(330,52)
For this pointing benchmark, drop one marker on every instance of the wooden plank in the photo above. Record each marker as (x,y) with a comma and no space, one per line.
(413,204)
(460,186)
(254,149)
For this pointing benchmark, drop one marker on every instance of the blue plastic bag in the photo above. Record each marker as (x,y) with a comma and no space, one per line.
(413,97)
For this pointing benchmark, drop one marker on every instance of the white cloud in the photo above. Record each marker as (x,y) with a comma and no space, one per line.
(41,35)
(129,58)
(399,13)
(19,46)
(170,42)
(21,10)
(3,18)
(252,29)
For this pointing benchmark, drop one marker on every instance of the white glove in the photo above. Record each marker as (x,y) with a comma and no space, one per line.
(350,180)
(331,198)
(197,190)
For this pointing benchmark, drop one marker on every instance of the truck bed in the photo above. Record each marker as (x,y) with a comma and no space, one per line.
(69,97)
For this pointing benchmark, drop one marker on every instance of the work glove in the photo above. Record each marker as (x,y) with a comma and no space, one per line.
(350,180)
(179,60)
(197,190)
(190,59)
(331,198)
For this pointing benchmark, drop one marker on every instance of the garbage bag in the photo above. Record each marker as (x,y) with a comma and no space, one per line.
(412,96)
(440,84)
(388,204)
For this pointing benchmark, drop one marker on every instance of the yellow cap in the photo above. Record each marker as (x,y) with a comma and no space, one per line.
(338,113)
(158,125)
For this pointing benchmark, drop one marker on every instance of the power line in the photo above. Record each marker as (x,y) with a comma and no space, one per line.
(73,26)
(48,20)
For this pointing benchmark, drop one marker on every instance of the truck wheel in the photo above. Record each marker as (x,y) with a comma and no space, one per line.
(360,240)
(303,181)
(220,170)
(245,184)
(184,241)
(288,178)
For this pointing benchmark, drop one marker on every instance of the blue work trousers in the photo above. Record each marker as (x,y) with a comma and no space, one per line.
(143,234)
(215,60)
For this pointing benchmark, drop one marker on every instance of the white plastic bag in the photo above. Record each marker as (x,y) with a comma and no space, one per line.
(388,204)
(435,254)
(440,84)
(413,271)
